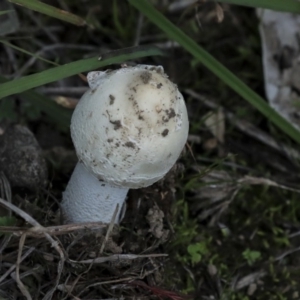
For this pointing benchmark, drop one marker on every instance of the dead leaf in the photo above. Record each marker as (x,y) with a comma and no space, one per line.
(215,122)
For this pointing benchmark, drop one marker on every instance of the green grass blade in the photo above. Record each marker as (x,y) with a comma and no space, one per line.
(59,115)
(27,52)
(4,12)
(51,11)
(57,73)
(215,66)
(280,5)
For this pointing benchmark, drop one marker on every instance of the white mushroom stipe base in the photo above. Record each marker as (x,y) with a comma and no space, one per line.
(84,185)
(128,131)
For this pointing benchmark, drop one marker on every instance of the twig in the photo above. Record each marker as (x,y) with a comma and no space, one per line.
(53,243)
(248,128)
(178,5)
(138,30)
(105,282)
(5,185)
(109,229)
(114,257)
(11,269)
(32,271)
(39,232)
(283,255)
(5,192)
(159,292)
(11,57)
(64,90)
(247,280)
(40,25)
(294,234)
(264,181)
(50,48)
(91,261)
(20,284)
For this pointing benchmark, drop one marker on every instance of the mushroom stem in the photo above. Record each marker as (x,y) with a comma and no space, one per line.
(88,199)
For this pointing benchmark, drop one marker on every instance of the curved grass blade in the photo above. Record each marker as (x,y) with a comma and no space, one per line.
(57,114)
(27,52)
(4,12)
(174,33)
(51,11)
(84,65)
(279,5)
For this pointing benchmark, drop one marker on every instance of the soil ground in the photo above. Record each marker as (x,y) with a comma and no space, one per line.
(223,224)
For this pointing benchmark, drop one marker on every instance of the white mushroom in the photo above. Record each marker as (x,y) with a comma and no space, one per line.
(128,130)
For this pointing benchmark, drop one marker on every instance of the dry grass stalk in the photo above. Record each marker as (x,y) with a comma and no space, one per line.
(54,243)
(39,232)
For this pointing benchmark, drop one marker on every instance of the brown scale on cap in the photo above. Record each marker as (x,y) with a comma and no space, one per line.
(146,77)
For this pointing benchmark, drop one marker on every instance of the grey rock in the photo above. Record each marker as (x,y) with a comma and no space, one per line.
(21,158)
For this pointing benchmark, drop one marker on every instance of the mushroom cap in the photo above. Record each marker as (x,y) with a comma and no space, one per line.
(130,127)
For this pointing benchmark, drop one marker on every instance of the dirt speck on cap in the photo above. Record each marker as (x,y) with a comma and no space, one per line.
(111,99)
(146,77)
(117,124)
(165,132)
(129,145)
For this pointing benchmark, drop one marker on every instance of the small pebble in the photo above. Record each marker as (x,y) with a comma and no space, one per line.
(251,289)
(212,270)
